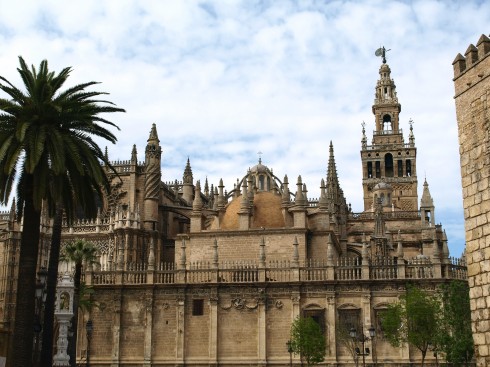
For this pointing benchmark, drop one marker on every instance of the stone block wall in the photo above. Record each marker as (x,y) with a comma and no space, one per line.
(472,96)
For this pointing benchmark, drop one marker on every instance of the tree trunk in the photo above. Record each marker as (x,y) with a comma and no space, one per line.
(74,323)
(26,282)
(54,256)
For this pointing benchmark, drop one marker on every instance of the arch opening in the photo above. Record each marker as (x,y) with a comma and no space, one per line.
(389,165)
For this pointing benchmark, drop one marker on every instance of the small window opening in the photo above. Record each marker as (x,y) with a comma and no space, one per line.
(389,165)
(370,169)
(427,217)
(197,307)
(409,167)
(400,168)
(378,170)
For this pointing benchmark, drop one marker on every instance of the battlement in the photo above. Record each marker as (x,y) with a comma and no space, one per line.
(472,56)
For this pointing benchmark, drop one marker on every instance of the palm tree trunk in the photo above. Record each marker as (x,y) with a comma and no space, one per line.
(54,256)
(74,324)
(26,282)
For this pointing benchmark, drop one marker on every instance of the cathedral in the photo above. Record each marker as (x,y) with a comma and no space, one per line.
(196,274)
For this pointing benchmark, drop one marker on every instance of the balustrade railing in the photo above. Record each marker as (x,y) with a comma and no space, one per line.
(342,269)
(418,268)
(383,268)
(348,268)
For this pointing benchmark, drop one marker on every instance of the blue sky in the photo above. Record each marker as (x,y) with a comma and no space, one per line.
(224,80)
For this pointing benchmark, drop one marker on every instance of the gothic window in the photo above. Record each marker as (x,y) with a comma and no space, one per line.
(197,307)
(268,183)
(378,169)
(370,169)
(389,165)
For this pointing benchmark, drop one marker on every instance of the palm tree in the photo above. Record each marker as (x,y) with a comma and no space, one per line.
(80,253)
(46,147)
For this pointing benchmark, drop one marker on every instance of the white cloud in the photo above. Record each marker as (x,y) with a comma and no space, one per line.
(226,79)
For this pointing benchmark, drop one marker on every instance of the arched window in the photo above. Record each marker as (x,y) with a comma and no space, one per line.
(409,167)
(378,169)
(387,122)
(389,165)
(261,182)
(370,169)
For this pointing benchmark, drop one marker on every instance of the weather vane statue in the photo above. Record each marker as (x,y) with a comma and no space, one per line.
(382,52)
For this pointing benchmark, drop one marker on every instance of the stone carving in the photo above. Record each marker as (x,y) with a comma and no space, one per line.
(241,304)
(64,301)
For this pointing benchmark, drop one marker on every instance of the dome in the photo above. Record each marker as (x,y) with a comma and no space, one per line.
(259,168)
(267,212)
(384,68)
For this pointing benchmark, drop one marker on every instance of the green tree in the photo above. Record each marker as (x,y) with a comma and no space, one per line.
(79,253)
(415,319)
(456,340)
(46,147)
(307,340)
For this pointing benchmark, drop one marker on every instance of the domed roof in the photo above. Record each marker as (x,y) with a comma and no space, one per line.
(384,68)
(382,186)
(259,168)
(267,212)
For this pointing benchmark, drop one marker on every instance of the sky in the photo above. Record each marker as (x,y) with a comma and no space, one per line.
(225,80)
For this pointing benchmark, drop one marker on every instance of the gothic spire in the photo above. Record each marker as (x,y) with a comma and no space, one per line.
(334,193)
(153,134)
(426,200)
(134,155)
(188,178)
(332,178)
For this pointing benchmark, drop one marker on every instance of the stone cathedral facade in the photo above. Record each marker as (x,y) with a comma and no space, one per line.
(202,275)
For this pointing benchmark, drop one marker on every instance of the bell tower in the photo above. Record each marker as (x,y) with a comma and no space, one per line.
(389,159)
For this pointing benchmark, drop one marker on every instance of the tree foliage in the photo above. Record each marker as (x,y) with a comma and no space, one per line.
(415,320)
(456,340)
(307,340)
(46,148)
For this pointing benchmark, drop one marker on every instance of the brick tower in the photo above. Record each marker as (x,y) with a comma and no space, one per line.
(472,96)
(388,159)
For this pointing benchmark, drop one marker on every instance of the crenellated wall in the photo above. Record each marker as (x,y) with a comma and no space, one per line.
(472,96)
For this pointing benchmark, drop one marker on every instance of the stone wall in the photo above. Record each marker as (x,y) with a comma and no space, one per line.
(239,325)
(472,96)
